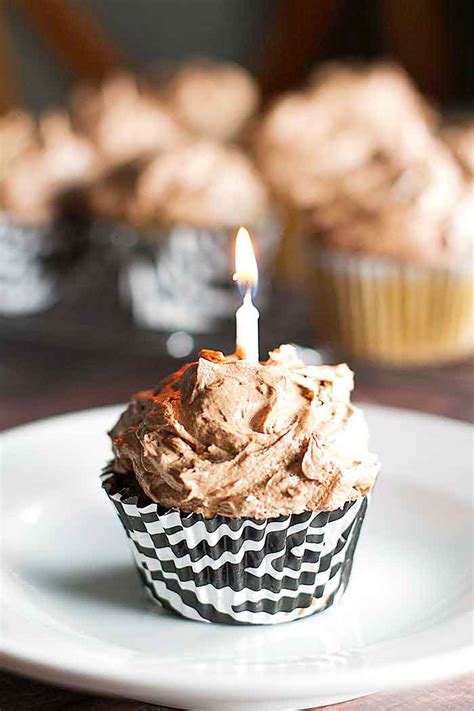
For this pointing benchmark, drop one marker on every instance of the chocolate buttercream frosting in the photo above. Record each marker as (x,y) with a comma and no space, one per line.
(422,214)
(349,116)
(226,436)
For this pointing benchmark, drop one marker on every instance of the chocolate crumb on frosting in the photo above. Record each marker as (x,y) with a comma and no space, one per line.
(226,436)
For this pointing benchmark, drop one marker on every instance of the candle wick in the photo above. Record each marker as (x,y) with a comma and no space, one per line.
(247,290)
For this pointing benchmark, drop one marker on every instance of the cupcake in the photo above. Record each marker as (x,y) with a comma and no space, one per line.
(186,207)
(40,191)
(213,100)
(348,116)
(242,487)
(391,256)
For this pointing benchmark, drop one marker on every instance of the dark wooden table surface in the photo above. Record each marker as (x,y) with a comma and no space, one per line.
(64,362)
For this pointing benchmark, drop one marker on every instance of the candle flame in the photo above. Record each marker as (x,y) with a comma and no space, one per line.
(246,270)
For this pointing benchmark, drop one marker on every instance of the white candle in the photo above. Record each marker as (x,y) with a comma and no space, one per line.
(246,321)
(246,317)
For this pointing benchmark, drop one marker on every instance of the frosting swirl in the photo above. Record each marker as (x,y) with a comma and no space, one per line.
(225,436)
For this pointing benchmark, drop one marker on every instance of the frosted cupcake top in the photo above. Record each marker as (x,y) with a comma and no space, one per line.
(59,161)
(126,122)
(225,436)
(348,115)
(379,96)
(423,212)
(212,99)
(204,185)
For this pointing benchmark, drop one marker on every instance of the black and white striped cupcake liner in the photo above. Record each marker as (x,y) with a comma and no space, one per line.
(239,571)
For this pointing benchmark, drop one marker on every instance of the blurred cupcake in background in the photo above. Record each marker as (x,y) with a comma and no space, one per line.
(391,257)
(40,191)
(126,122)
(348,116)
(387,210)
(177,259)
(213,100)
(128,125)
(206,185)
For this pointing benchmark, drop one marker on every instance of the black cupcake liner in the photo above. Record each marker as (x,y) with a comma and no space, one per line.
(239,571)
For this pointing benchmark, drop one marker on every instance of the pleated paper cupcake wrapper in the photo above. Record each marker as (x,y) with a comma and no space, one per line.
(180,278)
(389,312)
(239,571)
(32,263)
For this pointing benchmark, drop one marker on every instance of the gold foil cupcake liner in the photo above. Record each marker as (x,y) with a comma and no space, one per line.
(388,312)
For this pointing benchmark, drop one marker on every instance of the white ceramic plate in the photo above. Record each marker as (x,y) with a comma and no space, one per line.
(74,612)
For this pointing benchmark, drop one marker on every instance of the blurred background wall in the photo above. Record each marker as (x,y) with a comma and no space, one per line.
(144,30)
(278,39)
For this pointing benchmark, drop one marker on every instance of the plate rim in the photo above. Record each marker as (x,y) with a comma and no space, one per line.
(358,682)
